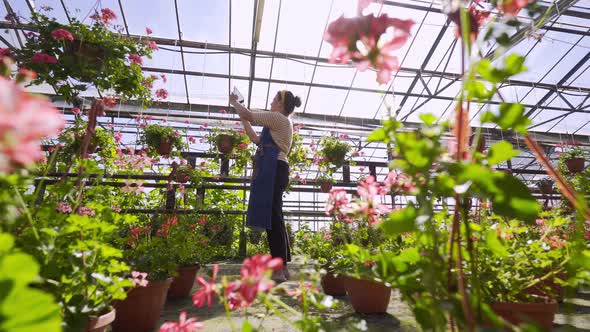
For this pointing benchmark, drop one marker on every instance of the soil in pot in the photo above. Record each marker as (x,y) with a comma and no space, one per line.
(366,296)
(100,323)
(575,165)
(141,310)
(541,314)
(326,186)
(225,144)
(333,285)
(183,283)
(165,147)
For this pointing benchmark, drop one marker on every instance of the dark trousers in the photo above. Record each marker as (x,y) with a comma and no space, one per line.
(278,241)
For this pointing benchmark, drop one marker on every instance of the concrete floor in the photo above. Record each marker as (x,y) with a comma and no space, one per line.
(342,318)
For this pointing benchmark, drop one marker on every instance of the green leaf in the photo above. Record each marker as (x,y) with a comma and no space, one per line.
(514,64)
(494,244)
(400,221)
(500,152)
(478,90)
(247,327)
(378,135)
(428,119)
(511,116)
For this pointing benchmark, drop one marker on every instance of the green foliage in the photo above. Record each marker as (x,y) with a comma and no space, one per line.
(154,134)
(106,67)
(188,244)
(242,151)
(333,151)
(513,64)
(102,143)
(510,117)
(501,152)
(298,157)
(23,308)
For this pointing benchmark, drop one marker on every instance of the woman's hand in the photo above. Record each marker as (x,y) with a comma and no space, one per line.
(233,99)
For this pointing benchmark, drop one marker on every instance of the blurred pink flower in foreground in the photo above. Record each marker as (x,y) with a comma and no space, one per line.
(358,39)
(24,121)
(183,325)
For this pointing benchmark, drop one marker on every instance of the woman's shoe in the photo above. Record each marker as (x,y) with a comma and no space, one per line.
(278,277)
(286,273)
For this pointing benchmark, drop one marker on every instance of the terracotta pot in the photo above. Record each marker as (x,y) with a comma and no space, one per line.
(366,296)
(225,143)
(165,147)
(546,188)
(140,311)
(100,323)
(183,283)
(326,186)
(541,314)
(575,165)
(333,285)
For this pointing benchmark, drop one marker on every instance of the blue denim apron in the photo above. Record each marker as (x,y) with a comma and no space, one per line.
(263,183)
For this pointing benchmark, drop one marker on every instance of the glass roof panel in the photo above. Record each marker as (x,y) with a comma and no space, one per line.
(334,75)
(206,61)
(57,9)
(241,25)
(240,65)
(289,70)
(207,90)
(362,104)
(197,16)
(168,58)
(325,101)
(136,13)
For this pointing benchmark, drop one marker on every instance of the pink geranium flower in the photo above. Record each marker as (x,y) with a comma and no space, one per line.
(192,139)
(306,287)
(152,45)
(76,110)
(118,137)
(148,31)
(44,58)
(107,15)
(25,75)
(85,211)
(203,221)
(511,7)
(109,102)
(162,93)
(132,187)
(242,146)
(206,292)
(64,207)
(24,121)
(139,278)
(183,325)
(164,79)
(255,271)
(62,34)
(135,58)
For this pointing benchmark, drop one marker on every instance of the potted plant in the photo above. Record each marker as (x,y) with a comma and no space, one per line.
(91,55)
(332,152)
(573,159)
(189,247)
(325,181)
(545,186)
(149,253)
(102,143)
(162,140)
(519,272)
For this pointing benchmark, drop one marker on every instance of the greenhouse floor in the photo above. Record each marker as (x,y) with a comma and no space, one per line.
(342,318)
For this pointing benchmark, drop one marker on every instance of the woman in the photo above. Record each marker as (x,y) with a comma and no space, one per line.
(270,176)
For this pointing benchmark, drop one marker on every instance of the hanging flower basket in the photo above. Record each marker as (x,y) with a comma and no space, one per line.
(366,296)
(326,186)
(225,143)
(165,147)
(183,283)
(100,323)
(575,165)
(333,285)
(86,52)
(140,311)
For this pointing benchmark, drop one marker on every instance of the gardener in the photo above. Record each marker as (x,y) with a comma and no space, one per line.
(270,174)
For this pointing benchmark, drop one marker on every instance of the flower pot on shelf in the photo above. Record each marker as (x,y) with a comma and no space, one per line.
(333,285)
(140,311)
(367,296)
(183,283)
(575,165)
(225,143)
(165,147)
(100,323)
(326,186)
(549,288)
(541,314)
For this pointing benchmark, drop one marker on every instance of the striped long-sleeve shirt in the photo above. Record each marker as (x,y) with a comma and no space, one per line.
(281,130)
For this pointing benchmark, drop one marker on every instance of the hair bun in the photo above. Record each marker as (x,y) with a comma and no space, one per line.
(297,102)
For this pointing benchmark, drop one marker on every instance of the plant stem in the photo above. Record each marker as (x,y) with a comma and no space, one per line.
(21,201)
